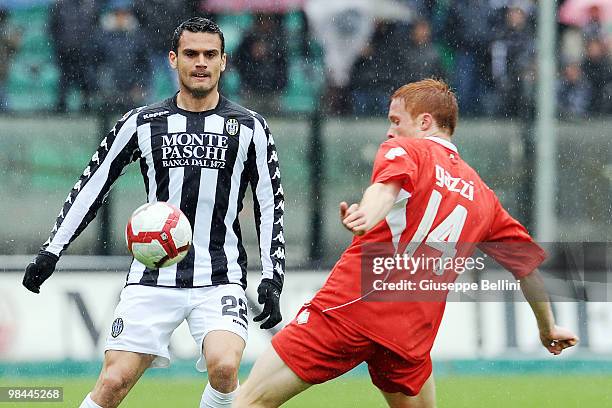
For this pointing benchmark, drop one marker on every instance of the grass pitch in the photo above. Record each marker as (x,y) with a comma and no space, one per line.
(501,391)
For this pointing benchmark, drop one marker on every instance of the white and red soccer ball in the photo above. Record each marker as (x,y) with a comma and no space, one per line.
(158,235)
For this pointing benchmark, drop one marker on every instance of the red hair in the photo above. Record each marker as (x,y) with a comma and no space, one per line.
(431,96)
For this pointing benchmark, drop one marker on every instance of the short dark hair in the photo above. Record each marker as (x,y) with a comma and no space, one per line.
(197,25)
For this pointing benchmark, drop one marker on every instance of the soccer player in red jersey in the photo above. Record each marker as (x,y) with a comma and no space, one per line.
(422,193)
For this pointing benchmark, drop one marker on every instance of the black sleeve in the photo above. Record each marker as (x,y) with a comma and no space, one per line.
(268,200)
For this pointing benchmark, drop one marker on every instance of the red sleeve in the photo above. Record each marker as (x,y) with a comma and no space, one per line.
(509,243)
(396,161)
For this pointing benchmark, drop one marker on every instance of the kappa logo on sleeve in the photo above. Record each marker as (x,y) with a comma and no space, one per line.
(395,152)
(126,115)
(303,317)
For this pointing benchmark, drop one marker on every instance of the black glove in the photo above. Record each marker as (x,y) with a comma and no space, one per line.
(39,270)
(269,295)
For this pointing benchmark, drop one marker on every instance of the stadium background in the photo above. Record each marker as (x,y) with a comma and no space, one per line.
(486,353)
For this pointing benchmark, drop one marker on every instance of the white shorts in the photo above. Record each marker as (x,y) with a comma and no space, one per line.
(146,317)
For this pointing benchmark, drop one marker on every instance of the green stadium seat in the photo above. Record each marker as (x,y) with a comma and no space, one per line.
(33,77)
(32,82)
(233,25)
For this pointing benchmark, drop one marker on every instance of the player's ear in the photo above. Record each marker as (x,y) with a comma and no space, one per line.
(425,121)
(223,62)
(172,57)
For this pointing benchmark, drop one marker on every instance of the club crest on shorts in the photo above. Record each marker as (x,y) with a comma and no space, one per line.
(303,317)
(117,327)
(232,127)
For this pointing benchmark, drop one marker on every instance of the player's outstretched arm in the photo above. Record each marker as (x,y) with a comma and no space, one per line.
(268,197)
(376,203)
(554,338)
(117,150)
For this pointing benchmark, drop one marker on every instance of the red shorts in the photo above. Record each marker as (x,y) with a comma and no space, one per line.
(318,348)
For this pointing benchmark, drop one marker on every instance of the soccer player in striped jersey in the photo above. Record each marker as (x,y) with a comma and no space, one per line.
(424,199)
(199,152)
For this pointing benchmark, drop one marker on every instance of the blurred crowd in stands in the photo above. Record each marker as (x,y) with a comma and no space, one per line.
(114,53)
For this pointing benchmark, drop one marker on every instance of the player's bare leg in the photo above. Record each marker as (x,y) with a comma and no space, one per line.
(120,371)
(426,398)
(270,384)
(223,351)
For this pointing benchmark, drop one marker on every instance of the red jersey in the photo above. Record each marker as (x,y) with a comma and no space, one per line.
(441,199)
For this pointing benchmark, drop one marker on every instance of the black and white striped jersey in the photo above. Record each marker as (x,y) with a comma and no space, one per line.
(202,162)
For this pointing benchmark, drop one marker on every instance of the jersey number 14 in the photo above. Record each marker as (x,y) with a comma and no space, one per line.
(445,236)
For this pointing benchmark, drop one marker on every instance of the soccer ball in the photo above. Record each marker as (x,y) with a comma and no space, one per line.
(158,235)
